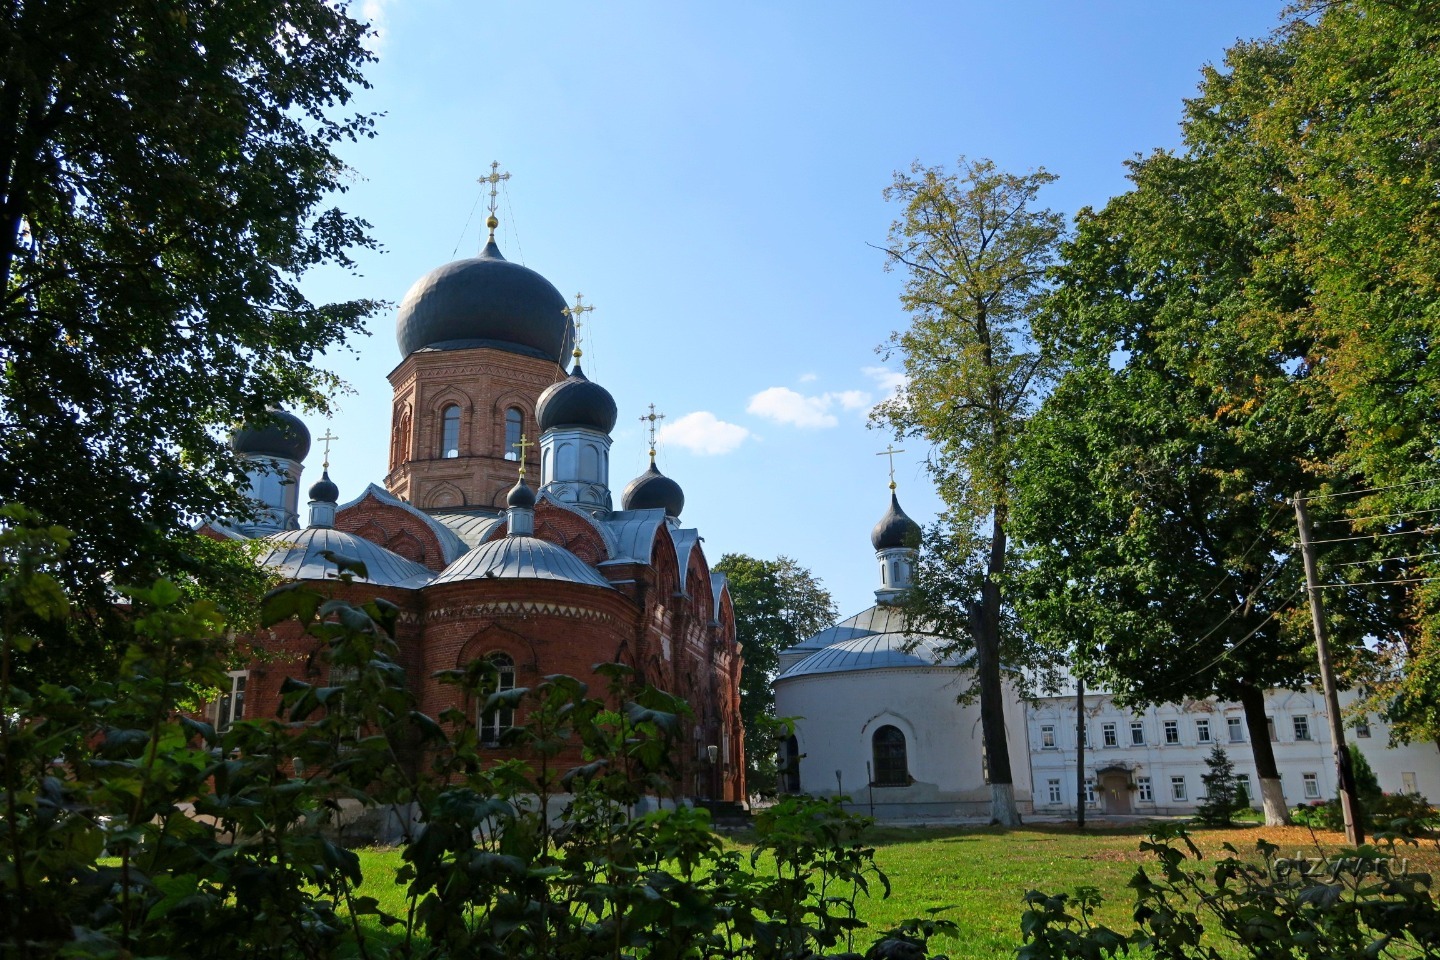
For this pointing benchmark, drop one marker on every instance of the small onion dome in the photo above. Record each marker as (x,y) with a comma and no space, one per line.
(653,489)
(895,529)
(576,401)
(485,301)
(521,496)
(324,490)
(284,436)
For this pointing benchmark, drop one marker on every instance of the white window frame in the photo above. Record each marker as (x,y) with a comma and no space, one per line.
(1242,782)
(1146,788)
(1110,734)
(1236,728)
(1310,786)
(1362,727)
(230,706)
(1202,731)
(490,727)
(1301,725)
(1178,792)
(1091,798)
(1047,736)
(1054,794)
(1172,732)
(1137,733)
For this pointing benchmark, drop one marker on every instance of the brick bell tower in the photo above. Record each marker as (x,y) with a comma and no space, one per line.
(481,338)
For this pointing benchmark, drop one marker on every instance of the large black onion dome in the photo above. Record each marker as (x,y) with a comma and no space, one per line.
(895,529)
(653,489)
(324,490)
(521,495)
(485,301)
(576,401)
(284,436)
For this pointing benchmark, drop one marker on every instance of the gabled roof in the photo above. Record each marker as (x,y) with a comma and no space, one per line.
(295,555)
(633,533)
(451,546)
(719,587)
(473,527)
(685,542)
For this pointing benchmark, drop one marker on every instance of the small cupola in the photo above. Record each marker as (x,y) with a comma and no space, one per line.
(576,416)
(520,505)
(273,448)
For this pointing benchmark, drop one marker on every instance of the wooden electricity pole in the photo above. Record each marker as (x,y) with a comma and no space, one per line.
(1079,753)
(1349,805)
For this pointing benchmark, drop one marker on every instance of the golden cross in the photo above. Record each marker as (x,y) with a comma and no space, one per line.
(650,420)
(522,445)
(327,438)
(890,452)
(575,313)
(494,178)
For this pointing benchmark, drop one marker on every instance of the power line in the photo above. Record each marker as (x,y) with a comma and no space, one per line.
(1356,493)
(1255,543)
(1376,536)
(1383,516)
(1361,563)
(1373,583)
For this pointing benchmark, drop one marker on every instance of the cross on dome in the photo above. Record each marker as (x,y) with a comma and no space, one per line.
(890,452)
(650,420)
(575,313)
(522,445)
(325,464)
(494,178)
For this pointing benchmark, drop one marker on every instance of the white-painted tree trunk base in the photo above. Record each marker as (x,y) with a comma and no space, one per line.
(1002,805)
(1272,799)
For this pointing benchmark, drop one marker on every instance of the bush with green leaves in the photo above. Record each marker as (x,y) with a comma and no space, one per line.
(1356,904)
(131,828)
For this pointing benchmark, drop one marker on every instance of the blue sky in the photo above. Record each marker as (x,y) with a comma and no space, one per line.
(709,176)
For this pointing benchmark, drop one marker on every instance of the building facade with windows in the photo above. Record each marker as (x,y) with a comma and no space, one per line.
(543,580)
(1152,761)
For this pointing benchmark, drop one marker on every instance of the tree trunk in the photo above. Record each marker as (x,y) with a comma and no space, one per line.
(986,623)
(1272,794)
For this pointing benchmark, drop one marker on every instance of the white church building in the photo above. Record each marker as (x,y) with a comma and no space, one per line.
(877,720)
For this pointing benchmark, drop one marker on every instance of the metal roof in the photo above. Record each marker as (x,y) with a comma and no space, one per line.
(880,618)
(521,558)
(878,651)
(633,534)
(451,546)
(473,527)
(295,555)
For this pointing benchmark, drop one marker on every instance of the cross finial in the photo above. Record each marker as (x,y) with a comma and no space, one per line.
(327,438)
(494,178)
(890,452)
(575,313)
(522,445)
(651,420)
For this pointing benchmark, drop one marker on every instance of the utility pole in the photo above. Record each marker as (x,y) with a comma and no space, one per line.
(1080,753)
(1349,805)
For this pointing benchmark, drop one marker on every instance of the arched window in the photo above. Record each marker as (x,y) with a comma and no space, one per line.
(496,722)
(514,424)
(891,769)
(792,765)
(450,432)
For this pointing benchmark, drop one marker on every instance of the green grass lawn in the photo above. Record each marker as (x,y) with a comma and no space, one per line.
(982,874)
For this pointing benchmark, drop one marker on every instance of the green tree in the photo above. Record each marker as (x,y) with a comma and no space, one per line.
(1223,795)
(975,251)
(777,604)
(165,171)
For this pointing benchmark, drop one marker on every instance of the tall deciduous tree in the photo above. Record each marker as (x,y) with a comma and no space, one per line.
(975,250)
(1154,482)
(777,604)
(164,175)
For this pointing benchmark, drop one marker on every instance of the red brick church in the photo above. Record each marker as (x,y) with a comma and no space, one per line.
(551,579)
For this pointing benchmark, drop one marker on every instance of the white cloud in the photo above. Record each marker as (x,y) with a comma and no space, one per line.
(888,381)
(373,11)
(783,405)
(809,377)
(703,433)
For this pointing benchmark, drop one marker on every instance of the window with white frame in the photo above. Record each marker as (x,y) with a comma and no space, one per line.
(1237,728)
(1090,799)
(1202,731)
(1302,727)
(1242,788)
(1109,735)
(1053,790)
(1362,727)
(1172,731)
(514,427)
(1146,788)
(450,432)
(1047,736)
(495,722)
(1137,733)
(231,704)
(1311,784)
(1270,725)
(1177,790)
